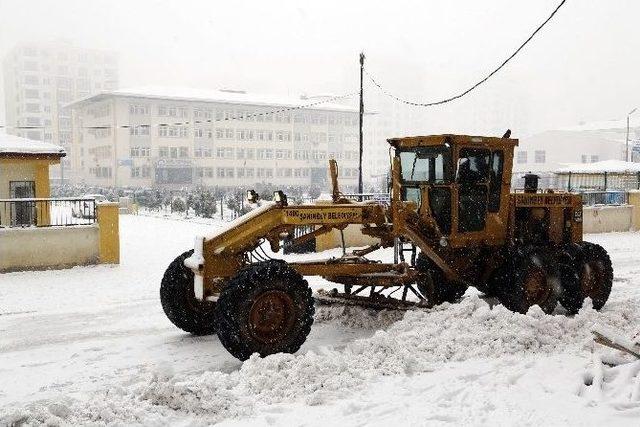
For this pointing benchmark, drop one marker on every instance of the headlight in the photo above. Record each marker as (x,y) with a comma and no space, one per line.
(280,197)
(252,196)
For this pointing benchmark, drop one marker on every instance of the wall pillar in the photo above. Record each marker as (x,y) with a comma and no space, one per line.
(108,222)
(43,191)
(634,200)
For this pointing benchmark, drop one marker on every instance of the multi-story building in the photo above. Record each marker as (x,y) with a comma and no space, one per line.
(40,79)
(178,137)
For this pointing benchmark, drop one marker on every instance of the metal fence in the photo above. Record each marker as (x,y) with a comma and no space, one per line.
(301,248)
(39,212)
(590,198)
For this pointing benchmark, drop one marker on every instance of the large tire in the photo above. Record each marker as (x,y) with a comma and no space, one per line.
(592,277)
(530,281)
(434,286)
(179,301)
(266,308)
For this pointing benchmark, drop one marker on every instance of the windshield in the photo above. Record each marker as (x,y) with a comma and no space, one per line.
(425,164)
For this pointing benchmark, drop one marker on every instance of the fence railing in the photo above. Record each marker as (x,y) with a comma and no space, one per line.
(39,212)
(590,198)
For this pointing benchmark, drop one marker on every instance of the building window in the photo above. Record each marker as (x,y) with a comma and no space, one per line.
(224,133)
(184,152)
(139,130)
(595,158)
(224,172)
(138,110)
(165,110)
(224,152)
(585,158)
(522,157)
(32,94)
(540,156)
(283,136)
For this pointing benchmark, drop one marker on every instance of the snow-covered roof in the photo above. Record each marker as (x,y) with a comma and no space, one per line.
(612,166)
(221,96)
(11,145)
(634,122)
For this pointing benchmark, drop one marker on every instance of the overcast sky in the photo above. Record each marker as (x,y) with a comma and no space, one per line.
(582,66)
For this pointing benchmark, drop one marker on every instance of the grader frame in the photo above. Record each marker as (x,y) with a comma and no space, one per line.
(450,198)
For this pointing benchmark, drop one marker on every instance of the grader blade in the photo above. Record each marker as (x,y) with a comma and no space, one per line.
(376,302)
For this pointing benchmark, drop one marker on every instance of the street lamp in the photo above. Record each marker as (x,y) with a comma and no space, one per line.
(628,115)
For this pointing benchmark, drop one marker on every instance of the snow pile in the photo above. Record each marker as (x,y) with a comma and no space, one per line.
(356,317)
(421,342)
(614,380)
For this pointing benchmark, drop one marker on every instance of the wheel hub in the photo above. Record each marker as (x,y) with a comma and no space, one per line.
(536,287)
(271,316)
(591,279)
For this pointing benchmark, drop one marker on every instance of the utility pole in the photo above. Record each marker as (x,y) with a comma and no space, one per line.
(360,189)
(627,145)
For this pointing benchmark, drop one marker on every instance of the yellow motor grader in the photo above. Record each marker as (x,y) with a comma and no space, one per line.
(451,207)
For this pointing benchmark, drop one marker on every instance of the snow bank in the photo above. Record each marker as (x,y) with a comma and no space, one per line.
(418,343)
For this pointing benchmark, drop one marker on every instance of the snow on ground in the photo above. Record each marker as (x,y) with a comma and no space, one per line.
(92,345)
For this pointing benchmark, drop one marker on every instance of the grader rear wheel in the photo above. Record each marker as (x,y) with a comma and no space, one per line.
(267,308)
(179,301)
(593,275)
(530,282)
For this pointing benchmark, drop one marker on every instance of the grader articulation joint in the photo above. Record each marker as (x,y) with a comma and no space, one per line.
(451,207)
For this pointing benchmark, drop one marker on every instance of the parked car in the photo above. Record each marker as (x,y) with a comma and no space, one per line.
(85,208)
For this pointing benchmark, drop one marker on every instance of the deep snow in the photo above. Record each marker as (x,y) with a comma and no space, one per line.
(91,344)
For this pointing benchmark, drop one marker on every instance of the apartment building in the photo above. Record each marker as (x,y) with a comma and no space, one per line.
(182,137)
(40,79)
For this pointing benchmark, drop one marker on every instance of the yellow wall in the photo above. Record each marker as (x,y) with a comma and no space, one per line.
(26,169)
(108,222)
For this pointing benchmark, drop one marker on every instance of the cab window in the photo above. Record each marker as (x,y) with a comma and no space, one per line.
(495,185)
(429,164)
(473,166)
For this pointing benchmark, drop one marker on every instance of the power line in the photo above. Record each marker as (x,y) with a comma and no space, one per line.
(195,122)
(460,95)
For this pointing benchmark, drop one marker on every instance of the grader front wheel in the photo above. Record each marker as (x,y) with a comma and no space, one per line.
(179,301)
(267,308)
(434,286)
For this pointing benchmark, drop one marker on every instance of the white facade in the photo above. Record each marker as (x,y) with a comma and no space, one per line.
(588,143)
(181,137)
(39,79)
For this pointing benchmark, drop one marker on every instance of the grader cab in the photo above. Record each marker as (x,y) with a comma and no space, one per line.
(451,209)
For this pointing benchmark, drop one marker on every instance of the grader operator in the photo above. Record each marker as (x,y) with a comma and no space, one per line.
(451,207)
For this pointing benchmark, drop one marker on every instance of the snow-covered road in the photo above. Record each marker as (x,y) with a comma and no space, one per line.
(91,344)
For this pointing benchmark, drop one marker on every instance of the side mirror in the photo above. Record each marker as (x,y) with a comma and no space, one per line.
(280,198)
(252,196)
